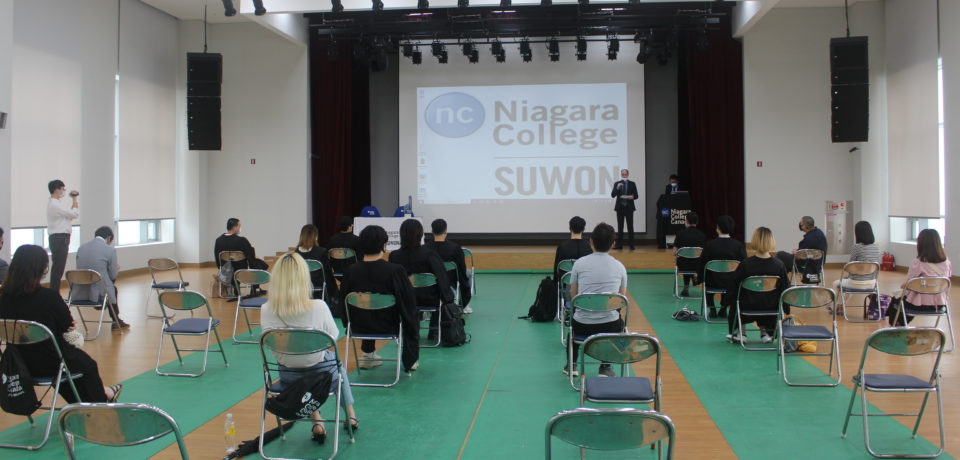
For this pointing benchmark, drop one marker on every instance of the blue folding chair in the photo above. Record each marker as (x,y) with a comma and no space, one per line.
(688,254)
(862,271)
(809,297)
(248,278)
(194,327)
(717,267)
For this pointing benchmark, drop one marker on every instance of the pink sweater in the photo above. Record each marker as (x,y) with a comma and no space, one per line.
(918,268)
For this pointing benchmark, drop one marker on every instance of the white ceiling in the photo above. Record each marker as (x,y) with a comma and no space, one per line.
(193,9)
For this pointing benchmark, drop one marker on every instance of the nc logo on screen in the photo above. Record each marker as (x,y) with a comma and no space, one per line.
(454,115)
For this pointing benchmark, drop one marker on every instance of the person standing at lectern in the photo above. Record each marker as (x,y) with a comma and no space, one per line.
(673,186)
(625,193)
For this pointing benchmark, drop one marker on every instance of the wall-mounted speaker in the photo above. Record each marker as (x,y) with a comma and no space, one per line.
(204,76)
(849,89)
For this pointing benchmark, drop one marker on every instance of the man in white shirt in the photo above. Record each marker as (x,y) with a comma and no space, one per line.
(59,226)
(597,273)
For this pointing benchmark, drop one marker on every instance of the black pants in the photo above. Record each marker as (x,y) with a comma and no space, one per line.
(687,279)
(590,329)
(385,322)
(89,387)
(59,247)
(767,324)
(624,216)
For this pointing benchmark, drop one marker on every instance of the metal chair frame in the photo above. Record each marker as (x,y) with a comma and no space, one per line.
(315,265)
(593,302)
(341,254)
(901,341)
(563,267)
(188,301)
(425,280)
(611,429)
(113,425)
(808,255)
(370,301)
(88,278)
(809,297)
(563,311)
(247,278)
(455,282)
(232,257)
(691,252)
(930,285)
(296,341)
(722,266)
(858,268)
(622,349)
(158,265)
(23,332)
(467,253)
(755,284)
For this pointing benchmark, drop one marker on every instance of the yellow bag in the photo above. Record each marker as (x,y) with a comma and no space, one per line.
(804,346)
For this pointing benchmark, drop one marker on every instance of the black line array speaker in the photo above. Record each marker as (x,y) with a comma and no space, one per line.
(849,89)
(204,75)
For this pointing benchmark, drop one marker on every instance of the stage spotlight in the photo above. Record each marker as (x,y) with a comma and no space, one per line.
(525,52)
(423,4)
(228,9)
(473,57)
(644,53)
(496,48)
(443,57)
(258,8)
(463,3)
(613,47)
(377,5)
(553,49)
(505,3)
(336,6)
(416,57)
(702,42)
(407,49)
(581,49)
(438,51)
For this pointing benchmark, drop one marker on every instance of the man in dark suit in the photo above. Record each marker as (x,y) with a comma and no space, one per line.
(673,186)
(689,237)
(721,248)
(625,193)
(813,238)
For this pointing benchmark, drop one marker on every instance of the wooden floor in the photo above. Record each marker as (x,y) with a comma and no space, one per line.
(123,356)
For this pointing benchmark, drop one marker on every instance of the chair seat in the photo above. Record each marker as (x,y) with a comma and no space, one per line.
(191,326)
(373,335)
(255,302)
(169,285)
(48,381)
(807,332)
(714,290)
(849,290)
(686,272)
(759,312)
(580,338)
(913,311)
(619,389)
(893,381)
(87,303)
(428,307)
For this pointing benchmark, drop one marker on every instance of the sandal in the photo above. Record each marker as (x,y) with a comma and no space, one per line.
(352,423)
(116,392)
(321,436)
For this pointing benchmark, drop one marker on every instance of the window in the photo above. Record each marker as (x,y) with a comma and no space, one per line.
(134,232)
(38,236)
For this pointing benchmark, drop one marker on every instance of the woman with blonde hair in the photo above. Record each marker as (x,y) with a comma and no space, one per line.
(289,305)
(763,263)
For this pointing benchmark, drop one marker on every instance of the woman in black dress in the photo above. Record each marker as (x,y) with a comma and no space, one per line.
(763,263)
(417,258)
(309,248)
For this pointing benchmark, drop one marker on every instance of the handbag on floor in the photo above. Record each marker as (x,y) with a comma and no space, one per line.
(302,397)
(452,333)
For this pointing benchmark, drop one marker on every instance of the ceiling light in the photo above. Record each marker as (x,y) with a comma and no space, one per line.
(613,47)
(443,57)
(407,49)
(463,3)
(644,53)
(546,2)
(505,3)
(416,57)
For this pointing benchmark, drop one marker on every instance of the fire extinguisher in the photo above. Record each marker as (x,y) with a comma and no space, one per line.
(887,262)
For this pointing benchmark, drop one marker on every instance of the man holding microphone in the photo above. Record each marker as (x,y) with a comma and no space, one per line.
(59,226)
(625,193)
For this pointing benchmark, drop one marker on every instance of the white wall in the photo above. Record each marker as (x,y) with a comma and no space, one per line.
(6,98)
(950,53)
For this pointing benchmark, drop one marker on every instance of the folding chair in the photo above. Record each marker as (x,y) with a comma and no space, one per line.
(22,332)
(592,302)
(714,266)
(315,266)
(860,269)
(293,343)
(161,265)
(622,349)
(757,284)
(88,279)
(563,267)
(247,278)
(188,301)
(116,425)
(233,257)
(899,341)
(454,281)
(563,311)
(689,254)
(611,429)
(371,302)
(339,258)
(807,256)
(809,297)
(929,285)
(425,281)
(472,271)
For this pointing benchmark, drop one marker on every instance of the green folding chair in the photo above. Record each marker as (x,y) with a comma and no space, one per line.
(688,254)
(427,281)
(611,429)
(717,267)
(756,284)
(116,425)
(371,302)
(315,266)
(592,302)
(247,278)
(472,271)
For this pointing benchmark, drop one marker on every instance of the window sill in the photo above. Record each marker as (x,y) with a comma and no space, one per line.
(137,245)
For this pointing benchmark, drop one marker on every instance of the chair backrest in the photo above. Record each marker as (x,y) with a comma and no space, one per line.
(689,252)
(808,254)
(342,253)
(565,265)
(565,279)
(808,297)
(183,300)
(721,266)
(929,285)
(249,277)
(118,424)
(295,341)
(907,341)
(863,270)
(314,265)
(232,256)
(421,280)
(759,284)
(600,302)
(23,332)
(162,264)
(611,429)
(623,348)
(468,254)
(83,277)
(450,267)
(370,301)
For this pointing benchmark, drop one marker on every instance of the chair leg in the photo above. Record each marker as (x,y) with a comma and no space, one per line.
(236,321)
(846,420)
(223,352)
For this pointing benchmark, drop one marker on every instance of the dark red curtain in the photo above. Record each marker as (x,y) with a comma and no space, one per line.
(340,127)
(710,90)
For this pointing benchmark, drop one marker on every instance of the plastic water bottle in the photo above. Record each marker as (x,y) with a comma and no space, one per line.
(230,434)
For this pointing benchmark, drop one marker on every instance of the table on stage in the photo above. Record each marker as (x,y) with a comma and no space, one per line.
(390,224)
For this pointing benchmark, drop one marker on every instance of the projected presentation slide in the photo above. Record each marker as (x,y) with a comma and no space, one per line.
(550,142)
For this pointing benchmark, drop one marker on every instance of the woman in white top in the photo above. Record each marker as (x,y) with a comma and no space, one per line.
(864,250)
(290,305)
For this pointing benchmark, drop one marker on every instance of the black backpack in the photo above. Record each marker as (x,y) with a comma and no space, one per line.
(302,397)
(452,333)
(16,395)
(544,308)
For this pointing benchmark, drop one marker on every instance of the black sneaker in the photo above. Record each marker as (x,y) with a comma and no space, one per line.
(566,371)
(606,371)
(723,313)
(712,313)
(684,293)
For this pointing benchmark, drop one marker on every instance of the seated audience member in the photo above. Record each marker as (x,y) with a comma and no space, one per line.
(931,261)
(22,297)
(309,248)
(721,248)
(864,250)
(574,248)
(99,256)
(597,273)
(344,238)
(3,263)
(373,274)
(451,252)
(289,305)
(418,259)
(232,241)
(813,238)
(688,237)
(761,264)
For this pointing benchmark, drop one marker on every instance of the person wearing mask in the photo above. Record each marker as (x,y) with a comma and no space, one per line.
(418,259)
(59,227)
(673,186)
(450,251)
(98,255)
(625,193)
(723,247)
(813,238)
(763,263)
(688,237)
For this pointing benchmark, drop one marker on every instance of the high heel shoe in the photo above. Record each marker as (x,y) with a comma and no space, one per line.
(320,437)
